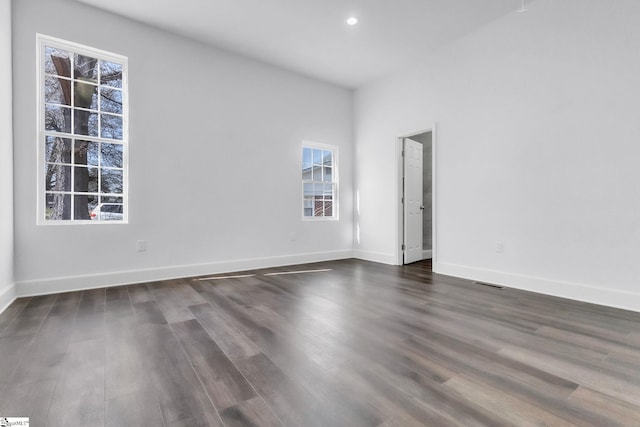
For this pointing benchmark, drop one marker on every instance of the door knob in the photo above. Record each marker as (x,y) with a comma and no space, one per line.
(422,208)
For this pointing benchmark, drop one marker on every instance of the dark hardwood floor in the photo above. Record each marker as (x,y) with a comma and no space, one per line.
(355,344)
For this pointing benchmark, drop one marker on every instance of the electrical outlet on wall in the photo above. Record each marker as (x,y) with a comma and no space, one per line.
(499,247)
(141,245)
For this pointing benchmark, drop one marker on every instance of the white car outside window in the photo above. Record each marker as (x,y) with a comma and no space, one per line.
(107,212)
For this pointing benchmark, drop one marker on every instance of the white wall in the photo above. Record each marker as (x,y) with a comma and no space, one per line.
(7,290)
(537,140)
(215,153)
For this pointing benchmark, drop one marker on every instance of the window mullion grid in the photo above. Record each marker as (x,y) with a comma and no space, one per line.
(321,211)
(99,108)
(112,195)
(99,169)
(334,184)
(72,131)
(333,197)
(84,137)
(72,102)
(324,199)
(320,179)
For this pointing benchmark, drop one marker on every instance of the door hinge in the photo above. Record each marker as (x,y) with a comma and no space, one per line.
(403,246)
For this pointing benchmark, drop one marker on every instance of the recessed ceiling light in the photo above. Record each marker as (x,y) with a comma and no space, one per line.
(352,21)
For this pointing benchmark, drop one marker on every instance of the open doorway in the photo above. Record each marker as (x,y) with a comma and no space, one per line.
(416,213)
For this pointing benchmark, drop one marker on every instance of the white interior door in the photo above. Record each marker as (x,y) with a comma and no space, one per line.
(413,206)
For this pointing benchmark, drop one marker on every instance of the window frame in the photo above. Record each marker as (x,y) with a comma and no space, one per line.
(335,180)
(43,41)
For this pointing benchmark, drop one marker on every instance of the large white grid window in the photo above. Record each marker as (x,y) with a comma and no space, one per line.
(82,134)
(319,181)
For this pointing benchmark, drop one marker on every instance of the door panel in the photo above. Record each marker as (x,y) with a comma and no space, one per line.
(413,203)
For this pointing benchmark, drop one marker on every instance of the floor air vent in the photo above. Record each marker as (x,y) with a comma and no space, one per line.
(489,285)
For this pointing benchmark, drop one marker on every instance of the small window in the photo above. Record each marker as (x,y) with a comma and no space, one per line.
(82,134)
(319,181)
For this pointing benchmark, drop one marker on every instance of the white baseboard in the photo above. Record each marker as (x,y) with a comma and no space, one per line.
(7,296)
(375,257)
(427,254)
(577,291)
(118,278)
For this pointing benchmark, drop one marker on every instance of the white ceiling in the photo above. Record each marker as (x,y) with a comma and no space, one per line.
(311,36)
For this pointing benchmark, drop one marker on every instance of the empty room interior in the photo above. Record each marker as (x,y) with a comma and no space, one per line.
(329,213)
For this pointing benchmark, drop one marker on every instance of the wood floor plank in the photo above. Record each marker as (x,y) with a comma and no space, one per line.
(517,379)
(149,313)
(302,364)
(125,366)
(610,344)
(251,413)
(90,319)
(599,316)
(514,411)
(10,313)
(591,375)
(29,320)
(30,400)
(137,409)
(414,395)
(12,353)
(79,395)
(174,298)
(624,364)
(500,335)
(222,381)
(140,293)
(178,388)
(615,411)
(491,364)
(196,421)
(231,341)
(262,336)
(46,352)
(119,309)
(291,402)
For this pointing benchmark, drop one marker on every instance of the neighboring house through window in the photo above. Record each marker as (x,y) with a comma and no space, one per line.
(319,181)
(82,134)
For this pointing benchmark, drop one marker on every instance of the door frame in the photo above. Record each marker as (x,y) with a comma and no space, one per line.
(400,192)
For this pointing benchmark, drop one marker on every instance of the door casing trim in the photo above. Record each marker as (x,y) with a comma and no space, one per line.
(400,192)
